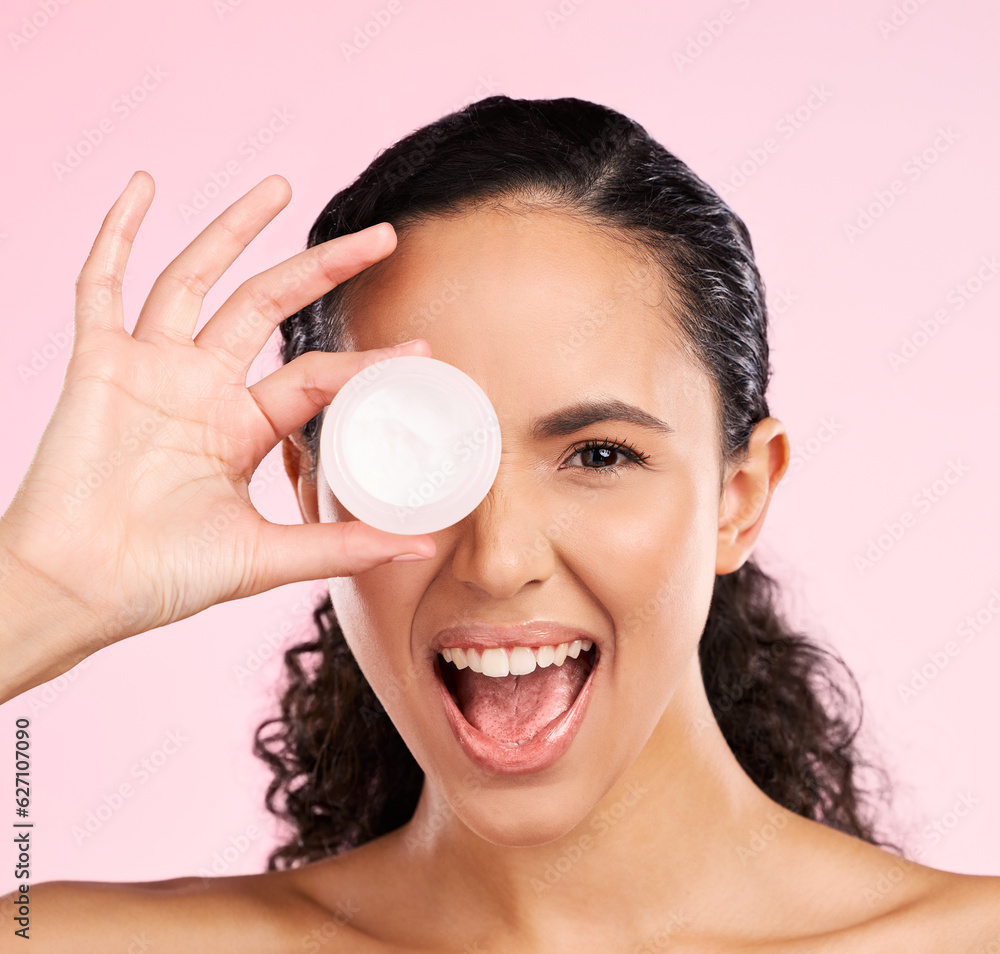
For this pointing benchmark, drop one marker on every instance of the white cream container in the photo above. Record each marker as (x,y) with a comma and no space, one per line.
(410,445)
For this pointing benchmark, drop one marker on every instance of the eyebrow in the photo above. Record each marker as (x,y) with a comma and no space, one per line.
(575,417)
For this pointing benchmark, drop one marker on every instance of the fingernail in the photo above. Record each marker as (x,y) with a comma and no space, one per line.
(407,557)
(404,344)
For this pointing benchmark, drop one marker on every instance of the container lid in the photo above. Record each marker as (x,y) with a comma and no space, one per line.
(410,445)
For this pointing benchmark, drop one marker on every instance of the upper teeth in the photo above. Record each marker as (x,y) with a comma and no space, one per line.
(519,662)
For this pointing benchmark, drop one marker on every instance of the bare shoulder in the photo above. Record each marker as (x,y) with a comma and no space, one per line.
(917,908)
(251,914)
(964,908)
(830,892)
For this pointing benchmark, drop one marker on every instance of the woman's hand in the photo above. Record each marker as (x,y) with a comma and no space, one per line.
(135,508)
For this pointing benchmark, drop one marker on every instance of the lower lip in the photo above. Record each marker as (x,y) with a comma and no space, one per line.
(543,750)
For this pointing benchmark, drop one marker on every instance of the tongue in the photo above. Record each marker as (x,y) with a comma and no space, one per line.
(515,708)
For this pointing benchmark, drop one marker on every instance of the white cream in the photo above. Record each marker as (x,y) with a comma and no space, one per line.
(410,445)
(399,443)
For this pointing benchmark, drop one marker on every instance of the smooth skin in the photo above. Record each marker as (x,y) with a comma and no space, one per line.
(668,873)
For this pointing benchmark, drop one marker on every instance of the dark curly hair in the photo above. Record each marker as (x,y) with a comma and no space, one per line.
(789,709)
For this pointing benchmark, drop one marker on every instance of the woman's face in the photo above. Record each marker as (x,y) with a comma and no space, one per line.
(544,312)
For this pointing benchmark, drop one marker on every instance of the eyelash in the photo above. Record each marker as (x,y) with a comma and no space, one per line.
(634,455)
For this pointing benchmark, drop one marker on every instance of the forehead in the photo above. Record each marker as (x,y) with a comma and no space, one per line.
(541,308)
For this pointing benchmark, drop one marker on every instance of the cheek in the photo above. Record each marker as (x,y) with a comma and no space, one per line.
(377,631)
(375,626)
(355,605)
(650,561)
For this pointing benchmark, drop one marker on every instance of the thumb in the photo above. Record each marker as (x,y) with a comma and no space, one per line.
(315,551)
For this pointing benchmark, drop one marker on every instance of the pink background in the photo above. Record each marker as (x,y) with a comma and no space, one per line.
(713,81)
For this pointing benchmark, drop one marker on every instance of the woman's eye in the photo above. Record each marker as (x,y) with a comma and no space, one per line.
(607,456)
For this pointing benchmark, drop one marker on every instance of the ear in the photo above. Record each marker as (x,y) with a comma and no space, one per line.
(747,493)
(298,463)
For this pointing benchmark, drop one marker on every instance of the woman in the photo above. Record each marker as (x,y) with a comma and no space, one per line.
(607,301)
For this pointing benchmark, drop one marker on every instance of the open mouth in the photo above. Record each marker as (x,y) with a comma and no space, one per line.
(519,707)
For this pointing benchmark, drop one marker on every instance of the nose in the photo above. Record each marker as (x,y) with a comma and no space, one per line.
(505,544)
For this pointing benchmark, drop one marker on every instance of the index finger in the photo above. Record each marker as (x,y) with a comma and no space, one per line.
(242,325)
